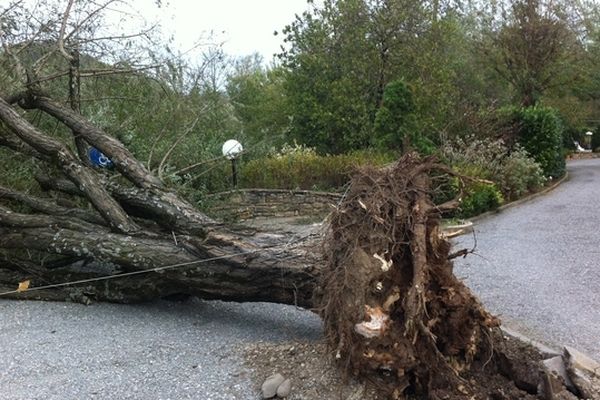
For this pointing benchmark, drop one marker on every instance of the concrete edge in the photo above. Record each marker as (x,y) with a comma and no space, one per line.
(523,200)
(545,351)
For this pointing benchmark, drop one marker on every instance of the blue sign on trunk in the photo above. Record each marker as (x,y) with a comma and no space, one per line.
(98,159)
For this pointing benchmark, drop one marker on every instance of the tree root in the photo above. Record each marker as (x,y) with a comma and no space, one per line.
(392,307)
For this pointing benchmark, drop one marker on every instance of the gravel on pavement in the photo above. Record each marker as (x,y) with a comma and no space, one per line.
(161,350)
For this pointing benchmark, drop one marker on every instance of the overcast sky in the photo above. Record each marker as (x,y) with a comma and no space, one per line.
(245,26)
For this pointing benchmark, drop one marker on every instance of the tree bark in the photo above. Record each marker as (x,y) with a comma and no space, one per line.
(219,267)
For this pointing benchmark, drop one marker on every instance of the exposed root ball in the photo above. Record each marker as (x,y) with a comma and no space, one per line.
(393,310)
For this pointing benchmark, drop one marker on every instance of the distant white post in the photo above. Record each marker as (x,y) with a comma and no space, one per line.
(588,139)
(231,150)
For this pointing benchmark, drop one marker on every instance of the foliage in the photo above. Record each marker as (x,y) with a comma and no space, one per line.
(330,84)
(343,56)
(395,119)
(300,167)
(520,174)
(535,47)
(540,132)
(258,101)
(512,170)
(479,198)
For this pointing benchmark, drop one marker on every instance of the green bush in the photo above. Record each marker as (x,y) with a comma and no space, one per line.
(540,132)
(479,198)
(298,167)
(519,174)
(514,171)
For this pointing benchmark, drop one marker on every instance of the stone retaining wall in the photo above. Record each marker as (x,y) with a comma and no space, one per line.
(251,203)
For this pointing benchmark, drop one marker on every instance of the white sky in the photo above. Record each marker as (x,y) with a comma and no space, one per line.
(245,26)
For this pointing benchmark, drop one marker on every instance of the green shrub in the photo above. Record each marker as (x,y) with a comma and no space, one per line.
(540,132)
(479,198)
(298,167)
(519,174)
(514,171)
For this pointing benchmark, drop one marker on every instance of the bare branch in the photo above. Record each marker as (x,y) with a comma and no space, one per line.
(47,207)
(88,17)
(115,71)
(61,34)
(196,165)
(116,37)
(17,220)
(176,143)
(96,73)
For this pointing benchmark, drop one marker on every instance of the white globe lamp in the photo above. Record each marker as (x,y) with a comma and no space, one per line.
(231,150)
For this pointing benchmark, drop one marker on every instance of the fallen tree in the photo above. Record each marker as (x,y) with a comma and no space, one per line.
(393,310)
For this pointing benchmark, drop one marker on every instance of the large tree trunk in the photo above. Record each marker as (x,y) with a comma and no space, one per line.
(218,267)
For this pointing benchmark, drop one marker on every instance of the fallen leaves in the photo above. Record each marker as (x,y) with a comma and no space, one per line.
(23,286)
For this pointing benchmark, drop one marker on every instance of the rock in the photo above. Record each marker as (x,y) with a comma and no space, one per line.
(556,366)
(524,373)
(586,387)
(552,387)
(269,387)
(582,362)
(284,389)
(584,373)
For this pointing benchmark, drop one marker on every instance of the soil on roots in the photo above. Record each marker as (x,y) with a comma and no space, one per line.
(314,375)
(394,312)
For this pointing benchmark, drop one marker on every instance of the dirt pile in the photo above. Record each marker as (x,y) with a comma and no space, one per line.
(315,375)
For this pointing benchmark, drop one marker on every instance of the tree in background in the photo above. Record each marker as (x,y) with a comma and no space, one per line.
(257,97)
(343,55)
(395,119)
(536,47)
(330,83)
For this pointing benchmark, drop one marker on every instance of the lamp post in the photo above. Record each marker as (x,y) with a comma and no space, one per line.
(588,139)
(231,150)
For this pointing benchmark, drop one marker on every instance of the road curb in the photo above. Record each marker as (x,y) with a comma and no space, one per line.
(544,350)
(523,200)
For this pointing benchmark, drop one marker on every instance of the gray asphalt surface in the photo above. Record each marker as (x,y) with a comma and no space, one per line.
(153,351)
(538,263)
